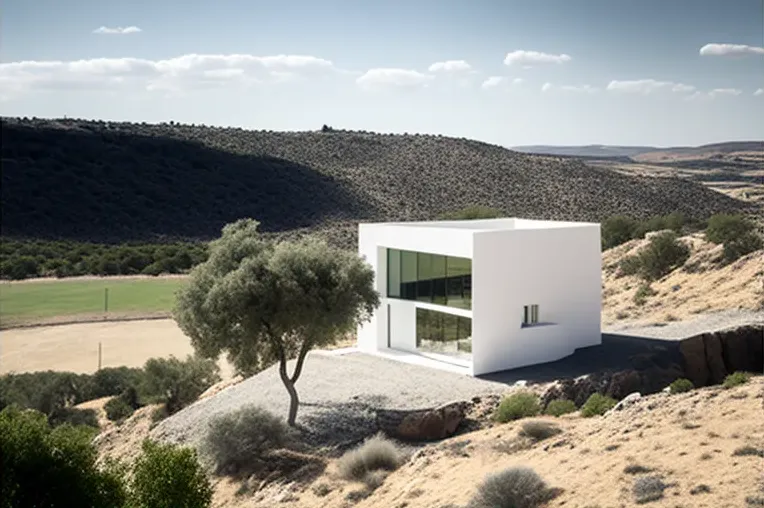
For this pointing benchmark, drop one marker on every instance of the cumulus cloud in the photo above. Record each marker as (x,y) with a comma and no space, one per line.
(548,87)
(529,58)
(380,78)
(117,30)
(180,73)
(724,91)
(646,86)
(715,49)
(450,66)
(759,91)
(495,81)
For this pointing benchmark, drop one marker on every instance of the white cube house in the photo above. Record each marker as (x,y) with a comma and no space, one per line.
(483,295)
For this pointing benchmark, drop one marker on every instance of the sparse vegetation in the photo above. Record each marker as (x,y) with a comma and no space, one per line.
(619,229)
(597,405)
(168,476)
(736,379)
(264,302)
(559,407)
(700,489)
(473,213)
(737,234)
(177,383)
(515,487)
(681,385)
(636,469)
(643,292)
(648,488)
(659,257)
(375,454)
(748,451)
(538,430)
(117,409)
(239,442)
(516,406)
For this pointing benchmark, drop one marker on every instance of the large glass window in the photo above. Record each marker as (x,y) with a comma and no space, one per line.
(432,278)
(442,333)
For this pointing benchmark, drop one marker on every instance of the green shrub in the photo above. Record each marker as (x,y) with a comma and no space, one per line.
(630,265)
(178,383)
(538,430)
(473,213)
(736,379)
(723,228)
(516,406)
(45,391)
(748,451)
(648,488)
(559,407)
(239,441)
(73,416)
(117,409)
(168,476)
(515,487)
(46,468)
(597,404)
(744,244)
(376,453)
(681,385)
(617,230)
(661,255)
(642,293)
(115,380)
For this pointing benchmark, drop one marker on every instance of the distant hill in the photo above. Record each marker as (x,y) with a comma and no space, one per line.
(643,152)
(106,181)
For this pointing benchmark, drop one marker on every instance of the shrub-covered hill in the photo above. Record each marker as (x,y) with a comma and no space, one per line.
(106,181)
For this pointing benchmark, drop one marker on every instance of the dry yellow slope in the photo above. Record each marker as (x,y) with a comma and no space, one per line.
(702,285)
(688,440)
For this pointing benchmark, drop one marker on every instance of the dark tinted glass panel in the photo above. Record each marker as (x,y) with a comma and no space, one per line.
(442,333)
(439,279)
(408,275)
(393,273)
(431,278)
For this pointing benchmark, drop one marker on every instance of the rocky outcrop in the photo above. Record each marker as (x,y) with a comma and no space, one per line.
(424,424)
(709,357)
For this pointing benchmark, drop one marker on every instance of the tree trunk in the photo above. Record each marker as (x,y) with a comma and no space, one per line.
(294,400)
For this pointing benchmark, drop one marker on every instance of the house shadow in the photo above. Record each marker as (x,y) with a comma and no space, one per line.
(617,352)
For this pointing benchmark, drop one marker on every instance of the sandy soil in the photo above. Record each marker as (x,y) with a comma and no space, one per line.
(74,347)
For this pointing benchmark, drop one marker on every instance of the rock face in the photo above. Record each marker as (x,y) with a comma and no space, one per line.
(425,424)
(709,357)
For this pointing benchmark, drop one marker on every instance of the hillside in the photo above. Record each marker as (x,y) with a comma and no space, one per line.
(586,150)
(111,181)
(645,153)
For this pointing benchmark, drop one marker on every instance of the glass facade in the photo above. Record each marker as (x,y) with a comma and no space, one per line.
(431,278)
(445,334)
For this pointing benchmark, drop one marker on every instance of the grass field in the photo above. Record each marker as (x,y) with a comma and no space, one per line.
(40,301)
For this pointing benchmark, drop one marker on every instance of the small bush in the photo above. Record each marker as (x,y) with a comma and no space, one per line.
(46,467)
(178,383)
(559,407)
(597,404)
(636,469)
(73,416)
(648,488)
(239,441)
(115,380)
(661,255)
(515,487)
(516,406)
(643,292)
(736,379)
(117,409)
(617,230)
(700,489)
(374,479)
(745,244)
(167,476)
(723,228)
(681,385)
(748,451)
(376,453)
(539,430)
(630,265)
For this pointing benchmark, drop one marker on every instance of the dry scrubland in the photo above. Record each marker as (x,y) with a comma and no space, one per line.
(692,441)
(701,285)
(149,182)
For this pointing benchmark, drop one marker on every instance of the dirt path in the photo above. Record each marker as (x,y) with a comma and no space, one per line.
(74,347)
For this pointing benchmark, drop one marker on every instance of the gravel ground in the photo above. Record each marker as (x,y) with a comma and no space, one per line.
(703,323)
(338,396)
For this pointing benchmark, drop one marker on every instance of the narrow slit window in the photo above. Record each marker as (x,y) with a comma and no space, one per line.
(530,315)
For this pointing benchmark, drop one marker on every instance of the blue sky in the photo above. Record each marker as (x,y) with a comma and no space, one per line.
(657,72)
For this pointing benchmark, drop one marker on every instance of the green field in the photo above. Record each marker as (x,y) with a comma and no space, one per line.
(31,302)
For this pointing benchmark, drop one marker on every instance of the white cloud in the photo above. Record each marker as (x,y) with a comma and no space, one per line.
(759,91)
(715,49)
(529,58)
(646,86)
(518,81)
(493,82)
(549,87)
(391,77)
(117,30)
(724,91)
(450,66)
(180,73)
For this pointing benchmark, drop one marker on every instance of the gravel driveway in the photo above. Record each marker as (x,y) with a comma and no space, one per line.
(338,396)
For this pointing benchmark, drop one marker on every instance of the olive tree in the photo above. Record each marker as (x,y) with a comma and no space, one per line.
(263,302)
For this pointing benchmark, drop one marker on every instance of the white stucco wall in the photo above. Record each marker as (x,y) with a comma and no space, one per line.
(558,269)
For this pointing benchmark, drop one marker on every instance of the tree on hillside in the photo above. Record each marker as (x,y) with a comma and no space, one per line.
(263,302)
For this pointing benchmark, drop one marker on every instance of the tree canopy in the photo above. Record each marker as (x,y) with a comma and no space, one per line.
(263,302)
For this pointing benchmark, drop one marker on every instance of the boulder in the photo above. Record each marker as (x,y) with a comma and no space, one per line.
(627,401)
(425,424)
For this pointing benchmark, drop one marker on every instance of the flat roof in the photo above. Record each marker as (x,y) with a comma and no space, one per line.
(500,224)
